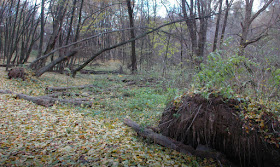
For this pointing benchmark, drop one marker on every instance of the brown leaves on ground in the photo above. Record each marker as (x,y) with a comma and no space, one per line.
(32,135)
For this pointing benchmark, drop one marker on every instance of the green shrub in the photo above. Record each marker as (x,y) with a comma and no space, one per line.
(229,75)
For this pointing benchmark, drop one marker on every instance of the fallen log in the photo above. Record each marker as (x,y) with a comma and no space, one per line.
(62,89)
(58,94)
(75,102)
(49,101)
(6,92)
(5,65)
(175,145)
(46,102)
(101,72)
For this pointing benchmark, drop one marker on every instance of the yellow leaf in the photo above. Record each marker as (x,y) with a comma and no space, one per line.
(262,124)
(266,137)
(82,137)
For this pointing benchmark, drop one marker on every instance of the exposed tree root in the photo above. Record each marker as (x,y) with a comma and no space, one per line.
(221,124)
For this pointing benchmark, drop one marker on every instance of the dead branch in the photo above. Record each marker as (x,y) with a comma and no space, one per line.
(101,72)
(57,94)
(62,89)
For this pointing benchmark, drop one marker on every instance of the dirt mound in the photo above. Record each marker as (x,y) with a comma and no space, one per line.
(17,72)
(220,124)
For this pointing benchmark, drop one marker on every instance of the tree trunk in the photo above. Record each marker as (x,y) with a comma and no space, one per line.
(217,26)
(225,22)
(133,50)
(58,19)
(10,44)
(198,35)
(191,25)
(71,22)
(40,50)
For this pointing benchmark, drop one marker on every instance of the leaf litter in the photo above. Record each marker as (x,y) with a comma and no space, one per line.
(32,135)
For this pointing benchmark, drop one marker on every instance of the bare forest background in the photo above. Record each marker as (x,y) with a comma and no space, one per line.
(68,36)
(197,75)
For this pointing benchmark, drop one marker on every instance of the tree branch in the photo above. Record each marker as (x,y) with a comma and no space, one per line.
(74,43)
(261,10)
(125,42)
(254,40)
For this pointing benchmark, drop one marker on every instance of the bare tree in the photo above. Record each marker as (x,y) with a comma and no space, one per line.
(19,25)
(197,29)
(58,9)
(246,23)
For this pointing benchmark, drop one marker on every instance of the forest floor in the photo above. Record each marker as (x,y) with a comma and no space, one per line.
(33,135)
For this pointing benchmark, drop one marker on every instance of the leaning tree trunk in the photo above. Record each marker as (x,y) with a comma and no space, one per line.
(53,63)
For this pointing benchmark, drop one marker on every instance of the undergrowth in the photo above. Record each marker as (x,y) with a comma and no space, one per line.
(238,76)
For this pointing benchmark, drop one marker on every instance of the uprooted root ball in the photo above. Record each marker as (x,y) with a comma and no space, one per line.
(222,124)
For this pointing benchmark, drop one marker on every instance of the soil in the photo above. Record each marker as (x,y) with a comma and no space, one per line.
(224,125)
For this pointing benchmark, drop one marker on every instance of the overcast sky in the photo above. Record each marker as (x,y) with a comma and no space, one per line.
(171,3)
(175,2)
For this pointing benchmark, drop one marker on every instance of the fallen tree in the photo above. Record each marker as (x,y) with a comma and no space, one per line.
(175,145)
(48,101)
(44,69)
